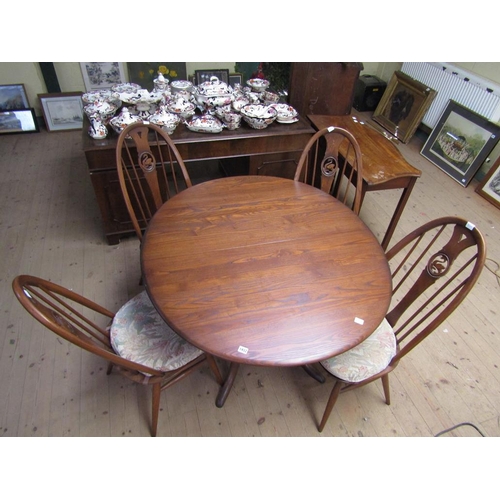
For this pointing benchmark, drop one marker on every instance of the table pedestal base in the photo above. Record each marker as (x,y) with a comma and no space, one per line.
(224,390)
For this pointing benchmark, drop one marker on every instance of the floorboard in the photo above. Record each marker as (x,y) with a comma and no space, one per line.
(50,226)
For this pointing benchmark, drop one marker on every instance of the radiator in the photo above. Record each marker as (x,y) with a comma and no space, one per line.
(451,82)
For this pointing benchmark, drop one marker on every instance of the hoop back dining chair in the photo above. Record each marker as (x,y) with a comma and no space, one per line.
(150,171)
(135,340)
(433,269)
(332,161)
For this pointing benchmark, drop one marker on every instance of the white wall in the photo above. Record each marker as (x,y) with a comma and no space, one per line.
(70,76)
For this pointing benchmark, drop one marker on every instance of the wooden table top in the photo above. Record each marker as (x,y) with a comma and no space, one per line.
(382,160)
(264,270)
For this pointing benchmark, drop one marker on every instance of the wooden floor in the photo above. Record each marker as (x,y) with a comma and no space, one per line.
(50,227)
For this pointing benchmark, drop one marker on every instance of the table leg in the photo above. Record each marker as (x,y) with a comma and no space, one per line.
(224,390)
(397,214)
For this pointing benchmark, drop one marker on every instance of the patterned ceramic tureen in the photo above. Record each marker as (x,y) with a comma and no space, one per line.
(213,93)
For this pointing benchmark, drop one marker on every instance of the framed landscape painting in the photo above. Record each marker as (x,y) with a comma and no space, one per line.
(18,121)
(62,111)
(460,142)
(489,188)
(13,97)
(403,105)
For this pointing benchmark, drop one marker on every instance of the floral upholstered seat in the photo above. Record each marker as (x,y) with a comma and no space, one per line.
(139,334)
(366,359)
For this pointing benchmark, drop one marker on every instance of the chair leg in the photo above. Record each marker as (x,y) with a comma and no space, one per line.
(110,368)
(156,408)
(315,374)
(331,402)
(387,392)
(215,368)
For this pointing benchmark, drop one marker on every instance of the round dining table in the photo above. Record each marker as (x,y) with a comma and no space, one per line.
(264,271)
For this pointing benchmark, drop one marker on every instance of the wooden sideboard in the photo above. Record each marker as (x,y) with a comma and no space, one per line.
(257,147)
(323,88)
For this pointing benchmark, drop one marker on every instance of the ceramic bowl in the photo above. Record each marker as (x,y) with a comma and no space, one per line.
(96,95)
(258,116)
(258,84)
(270,97)
(103,109)
(232,119)
(286,113)
(127,88)
(239,102)
(180,106)
(178,85)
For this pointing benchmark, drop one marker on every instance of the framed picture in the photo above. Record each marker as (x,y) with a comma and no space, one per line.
(204,75)
(102,75)
(460,142)
(235,79)
(144,73)
(403,105)
(18,121)
(489,188)
(62,111)
(13,97)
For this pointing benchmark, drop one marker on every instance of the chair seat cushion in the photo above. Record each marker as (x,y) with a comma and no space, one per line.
(366,359)
(139,334)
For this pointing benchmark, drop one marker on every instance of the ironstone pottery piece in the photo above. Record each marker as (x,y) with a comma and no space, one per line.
(160,83)
(258,116)
(166,120)
(125,118)
(286,113)
(205,123)
(258,84)
(97,130)
(178,85)
(213,93)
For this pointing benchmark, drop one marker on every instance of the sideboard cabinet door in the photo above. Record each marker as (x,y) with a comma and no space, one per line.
(323,88)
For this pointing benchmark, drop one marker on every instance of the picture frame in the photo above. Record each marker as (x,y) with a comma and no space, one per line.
(204,75)
(62,111)
(13,97)
(144,73)
(235,79)
(18,121)
(489,187)
(102,75)
(403,105)
(460,142)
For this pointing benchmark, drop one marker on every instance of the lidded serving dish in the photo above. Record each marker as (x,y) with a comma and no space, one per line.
(205,123)
(258,116)
(182,107)
(213,93)
(164,119)
(121,121)
(160,83)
